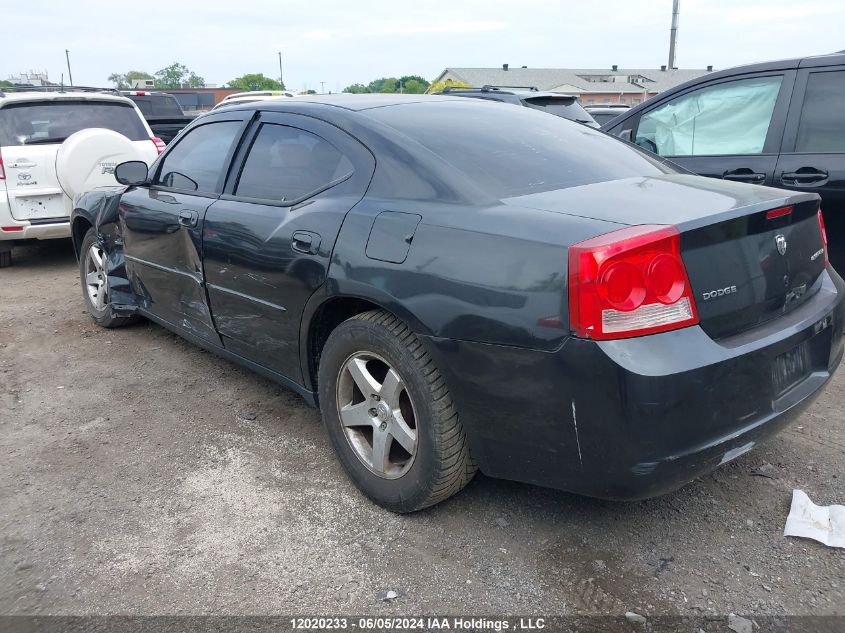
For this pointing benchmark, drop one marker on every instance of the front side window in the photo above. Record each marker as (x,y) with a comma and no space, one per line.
(197,162)
(286,163)
(730,118)
(51,122)
(822,127)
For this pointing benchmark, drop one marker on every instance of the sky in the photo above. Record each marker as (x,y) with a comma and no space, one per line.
(344,42)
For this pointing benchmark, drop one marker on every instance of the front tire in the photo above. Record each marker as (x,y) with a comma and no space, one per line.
(389,414)
(95,283)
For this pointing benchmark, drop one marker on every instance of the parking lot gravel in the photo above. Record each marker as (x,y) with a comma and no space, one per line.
(142,475)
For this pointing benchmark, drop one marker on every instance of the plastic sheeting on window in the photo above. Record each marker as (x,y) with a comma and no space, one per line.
(731,118)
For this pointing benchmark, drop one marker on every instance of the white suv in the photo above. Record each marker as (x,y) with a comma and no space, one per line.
(36,197)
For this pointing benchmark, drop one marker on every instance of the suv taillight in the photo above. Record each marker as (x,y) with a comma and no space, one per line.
(628,283)
(821,228)
(160,145)
(2,170)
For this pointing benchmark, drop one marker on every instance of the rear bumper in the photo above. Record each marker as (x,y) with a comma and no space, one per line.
(637,417)
(54,230)
(36,230)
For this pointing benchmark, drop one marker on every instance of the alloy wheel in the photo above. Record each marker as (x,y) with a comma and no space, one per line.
(96,281)
(377,415)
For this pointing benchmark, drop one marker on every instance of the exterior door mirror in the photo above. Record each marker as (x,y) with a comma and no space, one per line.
(132,172)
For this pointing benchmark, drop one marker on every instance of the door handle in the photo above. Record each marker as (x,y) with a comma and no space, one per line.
(187,217)
(743,174)
(804,175)
(22,164)
(305,242)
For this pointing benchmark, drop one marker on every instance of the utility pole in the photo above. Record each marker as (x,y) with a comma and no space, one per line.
(281,81)
(322,87)
(69,74)
(673,33)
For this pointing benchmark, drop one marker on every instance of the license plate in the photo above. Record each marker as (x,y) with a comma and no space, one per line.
(790,368)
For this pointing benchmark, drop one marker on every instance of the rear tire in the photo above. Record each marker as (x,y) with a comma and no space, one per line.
(94,282)
(426,459)
(5,258)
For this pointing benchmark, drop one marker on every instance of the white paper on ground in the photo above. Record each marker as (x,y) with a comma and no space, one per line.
(825,524)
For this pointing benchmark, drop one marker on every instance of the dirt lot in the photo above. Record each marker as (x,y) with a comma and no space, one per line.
(141,475)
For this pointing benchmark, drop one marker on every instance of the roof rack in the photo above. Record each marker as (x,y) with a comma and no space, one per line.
(491,87)
(488,88)
(56,88)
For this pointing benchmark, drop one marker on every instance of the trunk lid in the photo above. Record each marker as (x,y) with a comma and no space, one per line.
(744,268)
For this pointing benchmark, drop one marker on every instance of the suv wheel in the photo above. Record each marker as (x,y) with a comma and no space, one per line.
(389,414)
(95,283)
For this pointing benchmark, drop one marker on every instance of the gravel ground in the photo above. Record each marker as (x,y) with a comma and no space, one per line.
(141,475)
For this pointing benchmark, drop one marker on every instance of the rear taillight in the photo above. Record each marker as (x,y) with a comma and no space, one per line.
(628,283)
(160,145)
(2,170)
(824,238)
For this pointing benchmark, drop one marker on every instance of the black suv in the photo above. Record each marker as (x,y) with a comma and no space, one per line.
(778,123)
(561,105)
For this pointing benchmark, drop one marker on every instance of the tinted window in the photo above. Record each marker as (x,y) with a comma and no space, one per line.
(729,118)
(822,126)
(286,163)
(513,151)
(54,121)
(157,105)
(197,162)
(567,108)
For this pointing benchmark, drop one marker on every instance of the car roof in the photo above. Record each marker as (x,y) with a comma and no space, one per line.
(8,98)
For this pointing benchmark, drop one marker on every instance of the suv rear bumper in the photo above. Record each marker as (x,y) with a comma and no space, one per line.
(638,417)
(47,229)
(29,231)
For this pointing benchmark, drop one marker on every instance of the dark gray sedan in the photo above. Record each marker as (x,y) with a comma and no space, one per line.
(461,286)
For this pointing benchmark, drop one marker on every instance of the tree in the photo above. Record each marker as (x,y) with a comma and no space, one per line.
(356,89)
(176,75)
(255,81)
(441,85)
(123,81)
(385,84)
(413,84)
(6,84)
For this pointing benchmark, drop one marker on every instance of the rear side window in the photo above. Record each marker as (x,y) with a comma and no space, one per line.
(566,108)
(198,161)
(822,126)
(516,151)
(53,121)
(286,163)
(730,118)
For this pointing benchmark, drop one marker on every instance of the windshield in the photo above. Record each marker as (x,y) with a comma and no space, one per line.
(53,121)
(516,151)
(560,106)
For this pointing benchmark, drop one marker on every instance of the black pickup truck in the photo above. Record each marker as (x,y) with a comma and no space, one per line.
(162,112)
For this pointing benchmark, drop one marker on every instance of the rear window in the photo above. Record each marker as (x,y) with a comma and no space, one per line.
(53,121)
(567,108)
(157,105)
(517,151)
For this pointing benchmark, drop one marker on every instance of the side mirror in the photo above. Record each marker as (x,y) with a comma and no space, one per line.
(132,172)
